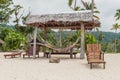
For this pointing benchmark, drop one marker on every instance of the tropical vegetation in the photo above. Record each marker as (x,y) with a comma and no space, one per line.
(17,34)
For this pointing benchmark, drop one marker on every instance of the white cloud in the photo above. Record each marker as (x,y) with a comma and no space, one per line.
(106,7)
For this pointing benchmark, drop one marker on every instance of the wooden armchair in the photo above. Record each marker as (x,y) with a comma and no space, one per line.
(29,52)
(94,54)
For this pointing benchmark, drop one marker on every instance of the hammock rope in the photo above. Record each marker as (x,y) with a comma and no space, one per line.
(48,45)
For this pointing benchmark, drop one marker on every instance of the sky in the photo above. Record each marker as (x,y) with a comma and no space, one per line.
(107,9)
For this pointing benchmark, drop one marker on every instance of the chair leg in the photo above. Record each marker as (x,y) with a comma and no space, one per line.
(71,56)
(90,65)
(104,65)
(50,55)
(75,56)
(23,56)
(38,55)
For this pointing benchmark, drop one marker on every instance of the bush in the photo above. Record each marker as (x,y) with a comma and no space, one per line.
(12,39)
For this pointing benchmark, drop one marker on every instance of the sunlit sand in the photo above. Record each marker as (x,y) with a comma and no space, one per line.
(67,69)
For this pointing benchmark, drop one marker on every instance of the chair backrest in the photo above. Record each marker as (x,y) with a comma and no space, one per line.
(96,47)
(30,50)
(93,47)
(94,51)
(37,49)
(89,48)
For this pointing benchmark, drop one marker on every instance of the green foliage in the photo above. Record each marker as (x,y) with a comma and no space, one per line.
(117,14)
(100,37)
(50,36)
(73,7)
(4,1)
(25,30)
(89,39)
(12,39)
(118,47)
(5,11)
(86,6)
(70,2)
(16,10)
(115,27)
(4,32)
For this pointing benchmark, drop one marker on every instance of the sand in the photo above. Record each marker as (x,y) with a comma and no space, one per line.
(67,69)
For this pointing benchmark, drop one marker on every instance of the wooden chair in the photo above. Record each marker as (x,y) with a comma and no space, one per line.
(94,54)
(29,52)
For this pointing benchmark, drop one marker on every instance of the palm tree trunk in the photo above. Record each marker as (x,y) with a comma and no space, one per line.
(34,45)
(115,39)
(82,55)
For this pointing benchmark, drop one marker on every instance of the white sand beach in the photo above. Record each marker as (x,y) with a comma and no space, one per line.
(67,69)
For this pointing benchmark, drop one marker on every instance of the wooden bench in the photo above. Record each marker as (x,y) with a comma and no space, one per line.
(13,55)
(92,61)
(48,54)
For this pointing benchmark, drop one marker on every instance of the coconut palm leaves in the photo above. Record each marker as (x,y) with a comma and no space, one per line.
(115,27)
(86,6)
(117,14)
(73,7)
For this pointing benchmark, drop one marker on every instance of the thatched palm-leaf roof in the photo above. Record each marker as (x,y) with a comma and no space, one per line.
(70,20)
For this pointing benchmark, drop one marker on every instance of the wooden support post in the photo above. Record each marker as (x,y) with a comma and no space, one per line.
(45,35)
(82,55)
(71,53)
(60,38)
(34,46)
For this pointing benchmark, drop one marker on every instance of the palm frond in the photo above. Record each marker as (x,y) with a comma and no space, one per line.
(84,3)
(96,11)
(96,17)
(77,8)
(70,2)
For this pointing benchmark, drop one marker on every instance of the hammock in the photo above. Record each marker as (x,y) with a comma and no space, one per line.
(48,45)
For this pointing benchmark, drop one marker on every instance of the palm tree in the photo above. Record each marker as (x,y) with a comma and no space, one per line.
(88,6)
(73,7)
(115,27)
(101,37)
(117,14)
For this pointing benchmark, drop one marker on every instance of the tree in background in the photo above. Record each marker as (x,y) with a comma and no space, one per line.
(5,11)
(12,39)
(74,6)
(86,6)
(21,18)
(17,15)
(100,37)
(117,14)
(115,27)
(8,9)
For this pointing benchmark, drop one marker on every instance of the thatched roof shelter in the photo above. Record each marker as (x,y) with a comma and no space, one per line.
(71,20)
